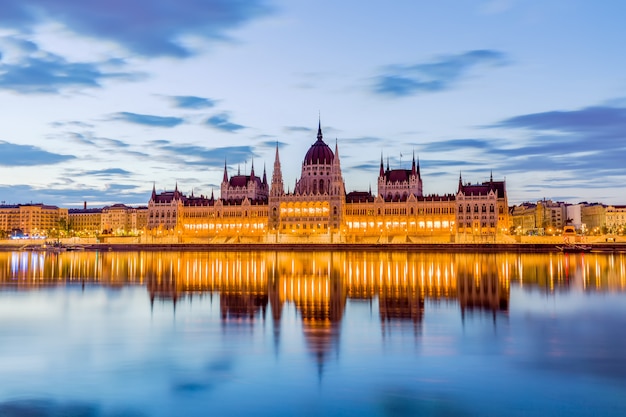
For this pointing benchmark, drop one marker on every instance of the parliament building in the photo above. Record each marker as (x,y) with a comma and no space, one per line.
(318,210)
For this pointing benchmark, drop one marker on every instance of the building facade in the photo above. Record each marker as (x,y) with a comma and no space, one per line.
(615,219)
(117,219)
(319,209)
(482,209)
(33,220)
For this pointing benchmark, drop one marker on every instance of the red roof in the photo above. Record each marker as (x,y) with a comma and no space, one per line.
(319,153)
(398,175)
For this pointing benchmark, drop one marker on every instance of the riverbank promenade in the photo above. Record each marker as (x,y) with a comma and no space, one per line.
(522,244)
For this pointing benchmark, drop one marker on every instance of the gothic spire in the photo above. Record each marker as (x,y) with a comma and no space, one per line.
(264,175)
(418,168)
(252,169)
(225,178)
(382,168)
(153,191)
(460,181)
(319,129)
(277,187)
(413,167)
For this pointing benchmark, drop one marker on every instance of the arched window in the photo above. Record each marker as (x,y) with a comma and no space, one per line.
(314,186)
(460,209)
(484,208)
(491,208)
(321,186)
(475,208)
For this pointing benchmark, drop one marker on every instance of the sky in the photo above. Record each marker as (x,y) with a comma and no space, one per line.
(102,99)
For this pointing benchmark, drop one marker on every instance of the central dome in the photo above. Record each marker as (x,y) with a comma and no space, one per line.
(319,152)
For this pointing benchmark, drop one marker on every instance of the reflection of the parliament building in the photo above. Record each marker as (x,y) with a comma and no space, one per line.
(318,284)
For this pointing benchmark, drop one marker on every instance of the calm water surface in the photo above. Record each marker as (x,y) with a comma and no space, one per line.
(308,334)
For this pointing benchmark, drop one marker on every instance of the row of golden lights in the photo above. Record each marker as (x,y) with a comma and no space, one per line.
(369,272)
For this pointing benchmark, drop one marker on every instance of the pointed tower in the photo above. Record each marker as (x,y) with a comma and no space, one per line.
(337,191)
(225,177)
(154,194)
(264,180)
(337,185)
(319,129)
(460,183)
(225,184)
(277,192)
(277,187)
(416,178)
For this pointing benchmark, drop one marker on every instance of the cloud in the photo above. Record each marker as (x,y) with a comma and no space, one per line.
(292,129)
(144,27)
(369,140)
(222,122)
(75,123)
(456,144)
(434,76)
(65,195)
(213,157)
(148,120)
(587,140)
(192,102)
(273,144)
(87,138)
(601,121)
(26,69)
(13,155)
(109,172)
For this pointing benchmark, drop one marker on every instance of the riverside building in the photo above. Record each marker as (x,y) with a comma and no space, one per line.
(319,210)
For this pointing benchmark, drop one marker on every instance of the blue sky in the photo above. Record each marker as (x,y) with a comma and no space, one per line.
(101,99)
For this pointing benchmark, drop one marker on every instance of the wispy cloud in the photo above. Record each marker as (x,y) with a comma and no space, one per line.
(589,139)
(109,172)
(602,121)
(148,119)
(72,123)
(144,27)
(293,129)
(12,154)
(26,69)
(75,194)
(211,157)
(222,122)
(273,144)
(192,102)
(438,75)
(457,144)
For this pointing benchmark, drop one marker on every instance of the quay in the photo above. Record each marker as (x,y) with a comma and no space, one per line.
(612,247)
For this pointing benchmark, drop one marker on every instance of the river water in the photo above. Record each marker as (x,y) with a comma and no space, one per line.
(310,334)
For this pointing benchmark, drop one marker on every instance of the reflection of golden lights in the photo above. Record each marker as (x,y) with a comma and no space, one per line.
(311,277)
